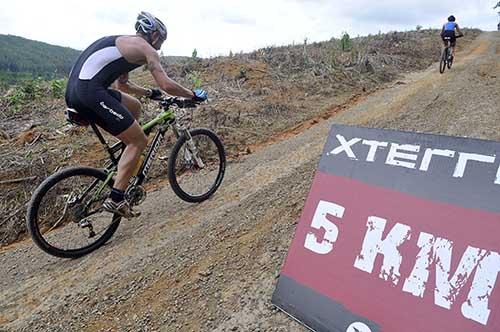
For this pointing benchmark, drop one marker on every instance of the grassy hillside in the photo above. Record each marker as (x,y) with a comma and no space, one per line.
(22,58)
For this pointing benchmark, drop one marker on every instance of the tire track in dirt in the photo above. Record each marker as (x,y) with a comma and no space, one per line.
(451,103)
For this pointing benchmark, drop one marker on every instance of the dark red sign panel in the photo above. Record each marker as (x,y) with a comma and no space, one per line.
(400,232)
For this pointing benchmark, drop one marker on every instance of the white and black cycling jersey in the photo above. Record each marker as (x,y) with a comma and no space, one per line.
(101,63)
(88,86)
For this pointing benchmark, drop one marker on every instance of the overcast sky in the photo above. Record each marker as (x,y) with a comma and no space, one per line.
(215,27)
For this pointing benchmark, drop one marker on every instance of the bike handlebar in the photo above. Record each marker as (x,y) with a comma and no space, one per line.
(456,36)
(166,102)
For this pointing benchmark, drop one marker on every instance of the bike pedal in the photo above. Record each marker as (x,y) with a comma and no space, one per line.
(84,223)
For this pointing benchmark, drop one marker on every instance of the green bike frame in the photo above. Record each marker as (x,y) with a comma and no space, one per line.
(164,120)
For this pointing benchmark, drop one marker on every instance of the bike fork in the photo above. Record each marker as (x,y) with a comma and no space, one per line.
(192,151)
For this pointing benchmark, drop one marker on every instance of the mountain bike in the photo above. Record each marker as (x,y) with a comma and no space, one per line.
(65,215)
(446,57)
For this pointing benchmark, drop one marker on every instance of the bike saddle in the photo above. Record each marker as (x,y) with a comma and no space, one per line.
(75,118)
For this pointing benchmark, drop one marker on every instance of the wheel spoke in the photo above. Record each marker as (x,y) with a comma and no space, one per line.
(58,216)
(60,219)
(197,165)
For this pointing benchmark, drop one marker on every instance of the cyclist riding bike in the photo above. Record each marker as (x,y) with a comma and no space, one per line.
(109,60)
(448,31)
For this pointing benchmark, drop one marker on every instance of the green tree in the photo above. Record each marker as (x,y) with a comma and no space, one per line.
(345,42)
(22,59)
(419,27)
(58,88)
(33,89)
(195,79)
(195,54)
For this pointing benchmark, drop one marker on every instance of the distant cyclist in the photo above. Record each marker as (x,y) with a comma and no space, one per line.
(449,31)
(110,59)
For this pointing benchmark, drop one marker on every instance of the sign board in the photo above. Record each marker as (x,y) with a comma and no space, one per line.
(400,232)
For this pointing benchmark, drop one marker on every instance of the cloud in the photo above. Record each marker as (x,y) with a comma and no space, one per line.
(239,20)
(116,16)
(215,27)
(5,21)
(218,10)
(398,13)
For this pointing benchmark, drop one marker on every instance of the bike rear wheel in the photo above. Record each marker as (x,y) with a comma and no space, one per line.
(196,167)
(450,61)
(65,217)
(444,59)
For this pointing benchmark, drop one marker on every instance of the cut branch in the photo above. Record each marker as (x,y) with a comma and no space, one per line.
(18,180)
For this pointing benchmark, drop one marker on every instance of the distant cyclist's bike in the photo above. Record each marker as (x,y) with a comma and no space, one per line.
(446,57)
(65,216)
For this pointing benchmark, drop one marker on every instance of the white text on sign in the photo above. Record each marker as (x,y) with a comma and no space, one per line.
(406,155)
(434,252)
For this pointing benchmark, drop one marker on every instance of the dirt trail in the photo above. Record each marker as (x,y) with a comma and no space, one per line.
(213,266)
(463,101)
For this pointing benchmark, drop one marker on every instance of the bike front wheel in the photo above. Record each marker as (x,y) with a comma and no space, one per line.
(65,216)
(196,165)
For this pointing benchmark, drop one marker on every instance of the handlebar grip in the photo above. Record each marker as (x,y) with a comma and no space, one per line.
(181,103)
(188,103)
(159,98)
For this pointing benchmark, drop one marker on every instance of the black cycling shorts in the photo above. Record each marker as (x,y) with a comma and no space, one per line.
(451,34)
(101,106)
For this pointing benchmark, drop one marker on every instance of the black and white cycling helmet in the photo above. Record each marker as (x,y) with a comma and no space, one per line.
(147,24)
